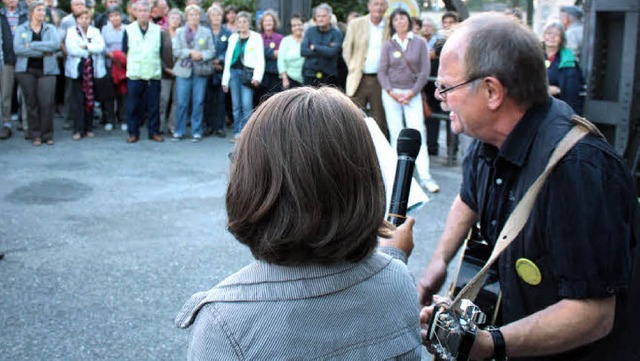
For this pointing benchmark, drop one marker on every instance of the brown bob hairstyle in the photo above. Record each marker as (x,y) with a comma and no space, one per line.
(305,185)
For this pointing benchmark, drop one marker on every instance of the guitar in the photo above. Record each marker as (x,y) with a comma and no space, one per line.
(452,331)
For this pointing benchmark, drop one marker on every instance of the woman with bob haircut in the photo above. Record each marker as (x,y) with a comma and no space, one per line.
(309,203)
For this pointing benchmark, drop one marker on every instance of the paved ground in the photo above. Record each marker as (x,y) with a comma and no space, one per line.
(104,241)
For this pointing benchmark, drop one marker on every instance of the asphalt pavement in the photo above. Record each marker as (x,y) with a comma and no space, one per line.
(104,241)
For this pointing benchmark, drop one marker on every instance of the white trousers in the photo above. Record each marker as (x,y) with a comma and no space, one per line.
(401,116)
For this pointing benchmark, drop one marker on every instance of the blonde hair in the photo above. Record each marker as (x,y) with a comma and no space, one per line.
(274,16)
(191,8)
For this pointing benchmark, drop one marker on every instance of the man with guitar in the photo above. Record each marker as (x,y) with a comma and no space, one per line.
(568,281)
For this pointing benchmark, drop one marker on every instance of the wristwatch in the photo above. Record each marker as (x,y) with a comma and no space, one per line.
(499,346)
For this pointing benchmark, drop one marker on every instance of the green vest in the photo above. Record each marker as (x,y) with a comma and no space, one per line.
(143,56)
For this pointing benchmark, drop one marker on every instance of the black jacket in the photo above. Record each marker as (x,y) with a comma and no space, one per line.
(7,37)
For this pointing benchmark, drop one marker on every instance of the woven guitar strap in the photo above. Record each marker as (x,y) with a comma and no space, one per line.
(518,218)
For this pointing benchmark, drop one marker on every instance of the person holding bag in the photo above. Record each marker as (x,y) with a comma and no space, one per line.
(404,70)
(192,48)
(243,70)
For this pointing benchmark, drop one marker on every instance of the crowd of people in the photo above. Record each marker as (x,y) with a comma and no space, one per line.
(189,73)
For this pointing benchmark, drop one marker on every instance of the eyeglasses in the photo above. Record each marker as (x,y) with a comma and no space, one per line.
(442,90)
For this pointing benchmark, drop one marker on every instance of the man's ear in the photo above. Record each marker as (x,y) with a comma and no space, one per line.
(495,92)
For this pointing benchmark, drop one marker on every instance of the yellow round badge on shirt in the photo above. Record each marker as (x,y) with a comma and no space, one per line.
(201,41)
(319,75)
(24,35)
(397,54)
(528,271)
(547,63)
(272,45)
(223,38)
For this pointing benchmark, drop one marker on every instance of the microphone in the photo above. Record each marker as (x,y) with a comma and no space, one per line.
(409,142)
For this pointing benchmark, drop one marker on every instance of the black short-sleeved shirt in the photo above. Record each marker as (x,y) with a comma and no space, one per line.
(580,233)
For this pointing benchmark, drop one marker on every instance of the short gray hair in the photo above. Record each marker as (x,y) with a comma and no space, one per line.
(244,14)
(323,6)
(556,25)
(143,3)
(497,45)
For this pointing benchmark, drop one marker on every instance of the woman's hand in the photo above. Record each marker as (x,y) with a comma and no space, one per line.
(401,238)
(255,83)
(285,81)
(195,55)
(554,90)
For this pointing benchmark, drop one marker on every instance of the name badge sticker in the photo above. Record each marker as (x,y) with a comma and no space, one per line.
(397,54)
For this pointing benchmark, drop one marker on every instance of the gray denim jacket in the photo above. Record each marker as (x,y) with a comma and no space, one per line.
(25,48)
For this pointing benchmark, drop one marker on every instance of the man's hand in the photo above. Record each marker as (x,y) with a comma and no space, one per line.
(225,89)
(425,320)
(255,83)
(432,279)
(402,237)
(195,55)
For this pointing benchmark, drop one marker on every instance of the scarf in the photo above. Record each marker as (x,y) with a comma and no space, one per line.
(87,80)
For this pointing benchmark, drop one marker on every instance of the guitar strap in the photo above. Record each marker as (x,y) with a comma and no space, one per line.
(518,218)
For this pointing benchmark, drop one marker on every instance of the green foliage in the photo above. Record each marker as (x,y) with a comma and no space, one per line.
(344,7)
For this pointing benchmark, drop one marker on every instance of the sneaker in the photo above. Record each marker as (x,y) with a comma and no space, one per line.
(90,135)
(176,138)
(124,127)
(108,127)
(430,185)
(76,136)
(196,138)
(5,133)
(220,133)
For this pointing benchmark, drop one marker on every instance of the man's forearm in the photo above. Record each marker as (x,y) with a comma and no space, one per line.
(560,327)
(460,219)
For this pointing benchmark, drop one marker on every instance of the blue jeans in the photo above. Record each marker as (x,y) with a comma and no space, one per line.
(143,98)
(190,90)
(241,100)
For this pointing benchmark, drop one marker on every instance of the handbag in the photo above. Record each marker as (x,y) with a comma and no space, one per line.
(426,109)
(247,76)
(203,68)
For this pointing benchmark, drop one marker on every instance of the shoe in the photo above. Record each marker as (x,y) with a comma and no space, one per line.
(235,138)
(27,136)
(14,117)
(208,132)
(5,133)
(90,135)
(37,142)
(430,185)
(50,142)
(156,138)
(76,136)
(132,139)
(66,125)
(176,138)
(196,138)
(220,133)
(124,127)
(108,127)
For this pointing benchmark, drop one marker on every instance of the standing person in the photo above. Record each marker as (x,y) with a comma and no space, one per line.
(168,84)
(563,72)
(571,19)
(67,22)
(193,43)
(321,47)
(112,34)
(36,68)
(142,42)
(269,25)
(159,12)
(361,51)
(230,14)
(311,211)
(102,19)
(566,280)
(245,51)
(10,17)
(435,43)
(215,106)
(404,69)
(290,61)
(85,65)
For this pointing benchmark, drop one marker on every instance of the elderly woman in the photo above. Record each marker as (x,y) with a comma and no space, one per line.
(404,70)
(290,61)
(565,77)
(34,44)
(192,44)
(230,14)
(215,104)
(310,209)
(271,39)
(243,70)
(112,34)
(84,65)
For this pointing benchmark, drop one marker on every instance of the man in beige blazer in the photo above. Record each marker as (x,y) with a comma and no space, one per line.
(361,52)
